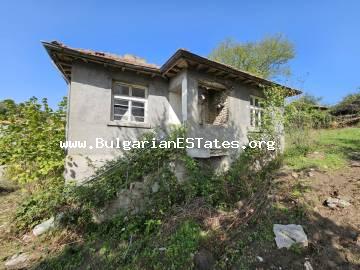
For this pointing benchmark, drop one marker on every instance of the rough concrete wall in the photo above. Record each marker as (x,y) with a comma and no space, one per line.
(238,103)
(90,115)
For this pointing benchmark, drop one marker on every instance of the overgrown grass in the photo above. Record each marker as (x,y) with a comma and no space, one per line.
(329,149)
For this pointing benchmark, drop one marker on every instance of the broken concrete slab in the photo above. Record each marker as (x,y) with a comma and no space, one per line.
(336,203)
(287,235)
(44,226)
(17,261)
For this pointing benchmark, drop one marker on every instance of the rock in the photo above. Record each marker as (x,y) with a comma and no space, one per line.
(204,260)
(240,204)
(294,175)
(44,227)
(358,241)
(336,203)
(155,187)
(17,261)
(308,266)
(310,174)
(355,164)
(260,259)
(287,235)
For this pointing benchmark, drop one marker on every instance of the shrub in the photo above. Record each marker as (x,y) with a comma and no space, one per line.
(30,141)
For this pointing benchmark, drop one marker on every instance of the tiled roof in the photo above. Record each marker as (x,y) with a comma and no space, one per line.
(127,58)
(63,56)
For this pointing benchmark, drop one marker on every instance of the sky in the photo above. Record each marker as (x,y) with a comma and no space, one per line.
(326,35)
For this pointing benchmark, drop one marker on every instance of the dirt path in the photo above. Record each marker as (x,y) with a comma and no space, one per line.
(334,234)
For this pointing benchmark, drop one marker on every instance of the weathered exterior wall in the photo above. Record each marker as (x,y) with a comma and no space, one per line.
(90,113)
(238,124)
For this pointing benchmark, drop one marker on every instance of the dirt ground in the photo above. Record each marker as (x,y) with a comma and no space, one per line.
(333,234)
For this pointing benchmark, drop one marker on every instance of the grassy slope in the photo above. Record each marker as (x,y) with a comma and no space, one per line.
(330,149)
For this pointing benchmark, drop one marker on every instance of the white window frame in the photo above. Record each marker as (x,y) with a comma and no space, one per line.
(130,99)
(257,111)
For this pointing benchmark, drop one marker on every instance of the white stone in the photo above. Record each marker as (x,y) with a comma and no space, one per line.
(287,235)
(155,187)
(44,227)
(260,259)
(17,261)
(336,202)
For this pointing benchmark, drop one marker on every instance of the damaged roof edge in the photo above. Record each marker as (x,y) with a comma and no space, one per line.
(182,53)
(53,48)
(108,59)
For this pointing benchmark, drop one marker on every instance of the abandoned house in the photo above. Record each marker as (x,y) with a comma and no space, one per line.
(122,97)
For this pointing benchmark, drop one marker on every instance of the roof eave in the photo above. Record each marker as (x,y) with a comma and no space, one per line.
(54,48)
(181,53)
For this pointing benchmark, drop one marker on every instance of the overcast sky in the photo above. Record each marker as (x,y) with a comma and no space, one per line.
(326,35)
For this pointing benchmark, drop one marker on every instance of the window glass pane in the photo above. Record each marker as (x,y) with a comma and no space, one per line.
(138,104)
(121,102)
(137,111)
(120,110)
(121,117)
(121,90)
(138,92)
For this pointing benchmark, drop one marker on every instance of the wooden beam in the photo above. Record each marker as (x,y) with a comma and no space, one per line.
(183,64)
(219,73)
(211,70)
(200,67)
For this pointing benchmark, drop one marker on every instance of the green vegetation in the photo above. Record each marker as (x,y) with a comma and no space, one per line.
(30,141)
(350,104)
(267,58)
(179,219)
(329,149)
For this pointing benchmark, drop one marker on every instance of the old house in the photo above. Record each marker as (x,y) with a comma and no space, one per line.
(122,97)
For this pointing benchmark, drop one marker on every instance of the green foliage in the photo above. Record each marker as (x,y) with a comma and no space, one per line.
(40,205)
(30,142)
(304,112)
(350,104)
(180,246)
(267,58)
(6,106)
(332,148)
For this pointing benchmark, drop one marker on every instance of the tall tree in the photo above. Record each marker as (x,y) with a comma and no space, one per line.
(267,58)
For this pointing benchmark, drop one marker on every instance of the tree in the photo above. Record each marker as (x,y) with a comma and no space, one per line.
(350,104)
(6,105)
(267,58)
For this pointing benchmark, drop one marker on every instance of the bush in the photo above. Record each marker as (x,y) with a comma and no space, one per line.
(30,141)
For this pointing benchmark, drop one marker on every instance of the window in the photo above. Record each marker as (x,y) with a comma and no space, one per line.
(256,111)
(129,102)
(213,106)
